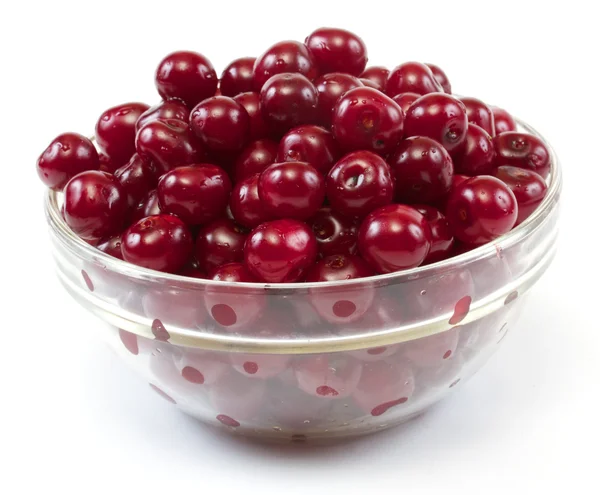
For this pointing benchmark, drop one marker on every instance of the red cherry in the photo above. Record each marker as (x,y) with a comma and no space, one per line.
(377,75)
(254,158)
(358,183)
(394,237)
(221,124)
(186,75)
(422,169)
(165,110)
(280,251)
(337,50)
(479,114)
(106,164)
(311,144)
(111,246)
(338,267)
(115,131)
(412,77)
(442,240)
(518,149)
(481,209)
(335,233)
(238,77)
(405,100)
(440,77)
(503,121)
(245,204)
(330,87)
(251,103)
(160,242)
(285,56)
(528,187)
(95,205)
(476,156)
(148,207)
(219,242)
(192,269)
(366,119)
(65,157)
(138,178)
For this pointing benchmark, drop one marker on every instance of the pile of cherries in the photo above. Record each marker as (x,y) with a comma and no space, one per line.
(299,165)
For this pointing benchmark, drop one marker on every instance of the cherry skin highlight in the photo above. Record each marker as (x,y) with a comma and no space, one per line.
(503,121)
(405,100)
(251,103)
(219,242)
(165,110)
(476,156)
(335,233)
(518,149)
(412,77)
(441,78)
(479,114)
(442,240)
(245,204)
(311,144)
(528,187)
(337,50)
(330,87)
(238,77)
(285,56)
(254,158)
(376,74)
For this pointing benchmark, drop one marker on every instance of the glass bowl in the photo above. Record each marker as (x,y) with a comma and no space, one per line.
(309,362)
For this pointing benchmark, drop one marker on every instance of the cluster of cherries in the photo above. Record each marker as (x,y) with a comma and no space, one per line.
(299,165)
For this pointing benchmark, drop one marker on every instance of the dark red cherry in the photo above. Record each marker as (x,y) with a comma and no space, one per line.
(476,156)
(232,272)
(168,144)
(481,209)
(219,242)
(422,169)
(405,100)
(192,269)
(160,242)
(285,56)
(311,144)
(238,77)
(115,131)
(280,251)
(186,75)
(440,77)
(111,246)
(359,183)
(138,177)
(221,124)
(291,190)
(366,119)
(377,75)
(251,102)
(519,149)
(254,158)
(147,207)
(528,187)
(480,114)
(165,110)
(337,50)
(412,77)
(503,121)
(339,267)
(106,164)
(394,237)
(246,206)
(288,100)
(65,157)
(330,87)
(440,117)
(459,179)
(195,193)
(335,233)
(95,205)
(442,240)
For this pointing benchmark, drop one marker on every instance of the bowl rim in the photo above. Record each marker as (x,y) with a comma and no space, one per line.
(87,251)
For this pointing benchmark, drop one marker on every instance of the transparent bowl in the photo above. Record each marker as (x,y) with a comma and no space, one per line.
(310,362)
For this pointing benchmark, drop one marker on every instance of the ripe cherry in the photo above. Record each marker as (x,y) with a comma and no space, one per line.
(147,207)
(165,110)
(528,187)
(330,87)
(479,114)
(522,150)
(337,50)
(503,121)
(138,177)
(219,242)
(377,75)
(335,233)
(254,158)
(338,267)
(412,77)
(476,156)
(442,240)
(246,206)
(251,103)
(311,144)
(441,77)
(238,77)
(285,56)
(405,100)
(111,246)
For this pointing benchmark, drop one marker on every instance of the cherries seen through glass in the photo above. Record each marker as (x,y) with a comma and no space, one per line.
(298,164)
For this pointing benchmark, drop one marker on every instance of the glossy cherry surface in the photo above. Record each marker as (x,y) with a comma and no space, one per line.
(330,87)
(288,100)
(366,119)
(160,242)
(339,267)
(138,178)
(480,114)
(165,110)
(238,77)
(481,209)
(251,102)
(95,205)
(232,272)
(147,207)
(441,77)
(519,149)
(442,240)
(422,169)
(111,246)
(219,242)
(405,100)
(370,84)
(337,50)
(476,155)
(359,183)
(503,121)
(65,157)
(528,187)
(311,144)
(192,269)
(254,158)
(245,205)
(106,164)
(169,144)
(186,75)
(291,190)
(335,233)
(280,251)
(197,194)
(412,77)
(440,117)
(377,74)
(221,123)
(285,56)
(115,131)
(394,237)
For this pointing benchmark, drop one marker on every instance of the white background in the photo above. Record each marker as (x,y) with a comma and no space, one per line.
(73,418)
